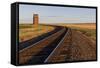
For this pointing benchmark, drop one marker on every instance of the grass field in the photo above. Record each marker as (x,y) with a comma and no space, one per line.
(28,31)
(89,29)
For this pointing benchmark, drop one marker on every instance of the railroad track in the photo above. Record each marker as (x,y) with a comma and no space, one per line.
(29,42)
(73,47)
(37,53)
(62,52)
(63,45)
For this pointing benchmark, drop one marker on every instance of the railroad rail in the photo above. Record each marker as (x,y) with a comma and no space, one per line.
(38,52)
(62,52)
(63,45)
(29,42)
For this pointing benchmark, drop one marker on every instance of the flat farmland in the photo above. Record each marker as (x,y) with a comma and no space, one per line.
(89,29)
(28,31)
(82,25)
(61,43)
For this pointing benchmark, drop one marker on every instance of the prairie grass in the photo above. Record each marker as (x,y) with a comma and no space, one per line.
(89,29)
(88,32)
(28,31)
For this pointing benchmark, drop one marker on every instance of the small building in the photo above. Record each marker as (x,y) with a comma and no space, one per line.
(35,19)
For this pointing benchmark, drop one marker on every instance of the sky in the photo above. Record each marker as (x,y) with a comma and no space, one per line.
(54,14)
